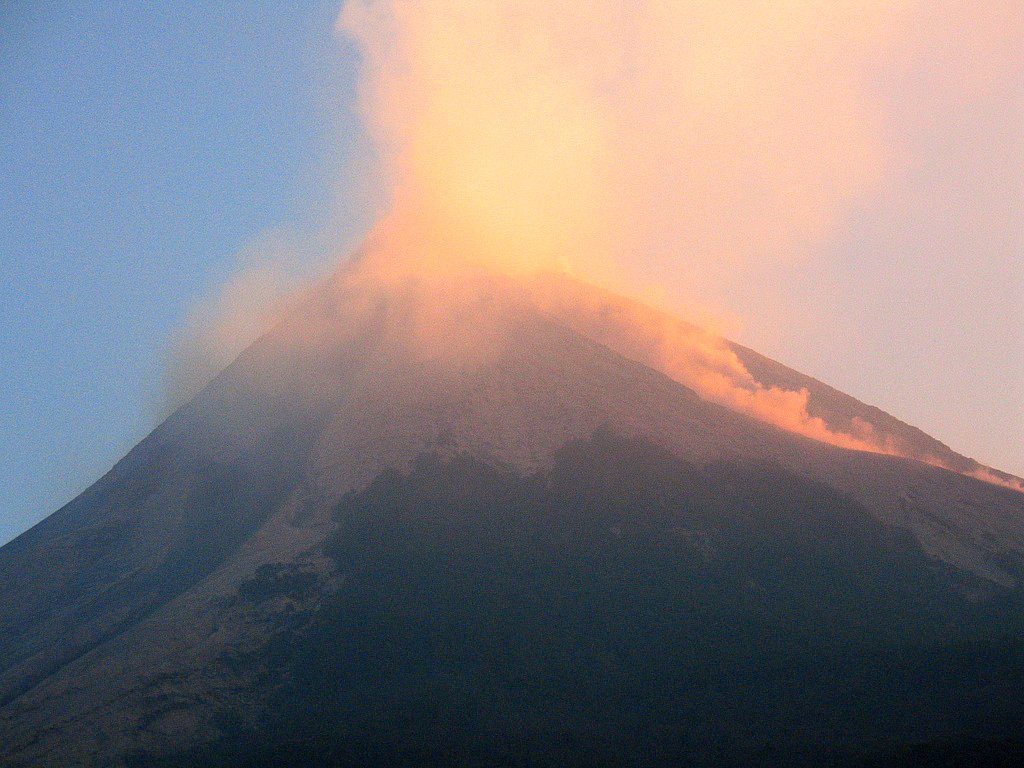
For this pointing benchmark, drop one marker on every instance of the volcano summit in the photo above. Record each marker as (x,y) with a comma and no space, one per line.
(488,520)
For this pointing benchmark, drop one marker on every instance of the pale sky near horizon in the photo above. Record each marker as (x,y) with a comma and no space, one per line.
(144,149)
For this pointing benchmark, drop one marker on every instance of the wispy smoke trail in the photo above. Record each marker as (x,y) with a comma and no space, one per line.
(219,326)
(697,358)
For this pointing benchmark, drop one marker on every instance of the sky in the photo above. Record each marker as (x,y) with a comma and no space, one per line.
(142,149)
(151,156)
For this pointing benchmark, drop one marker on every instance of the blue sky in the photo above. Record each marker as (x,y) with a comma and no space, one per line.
(142,146)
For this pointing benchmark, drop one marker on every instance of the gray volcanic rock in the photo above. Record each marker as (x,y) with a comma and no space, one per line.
(344,462)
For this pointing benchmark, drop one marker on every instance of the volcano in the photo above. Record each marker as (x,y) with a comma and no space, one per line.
(468,520)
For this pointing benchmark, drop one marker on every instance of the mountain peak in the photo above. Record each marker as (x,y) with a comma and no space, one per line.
(507,401)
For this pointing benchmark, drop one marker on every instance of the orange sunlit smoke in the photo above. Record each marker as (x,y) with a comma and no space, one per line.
(617,138)
(606,138)
(632,144)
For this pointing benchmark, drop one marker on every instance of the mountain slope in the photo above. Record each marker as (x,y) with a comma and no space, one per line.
(179,600)
(599,313)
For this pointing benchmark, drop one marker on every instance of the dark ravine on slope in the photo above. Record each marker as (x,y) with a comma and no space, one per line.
(668,583)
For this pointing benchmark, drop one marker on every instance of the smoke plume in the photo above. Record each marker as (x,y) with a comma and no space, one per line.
(636,144)
(625,140)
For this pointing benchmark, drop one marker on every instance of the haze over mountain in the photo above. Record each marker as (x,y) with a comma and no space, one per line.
(469,501)
(463,516)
